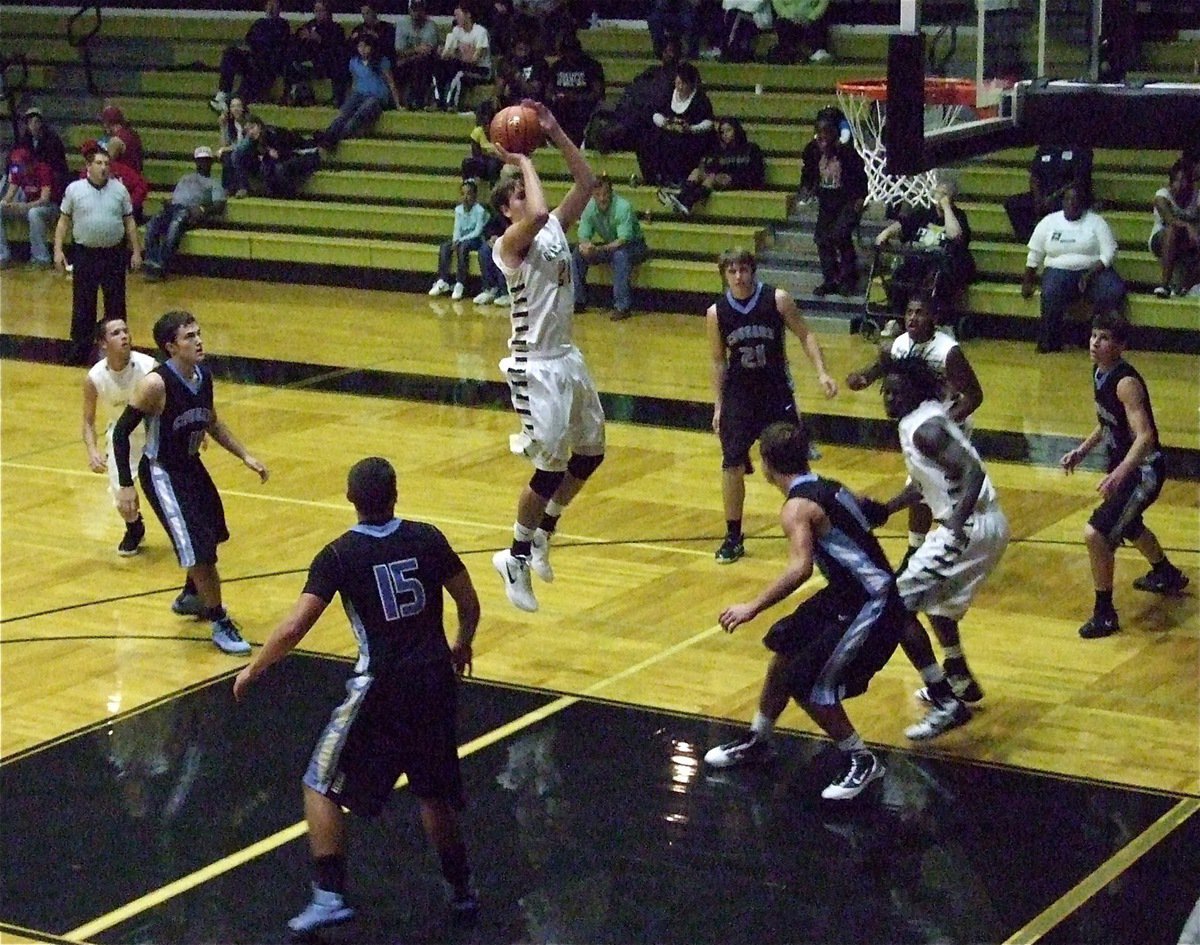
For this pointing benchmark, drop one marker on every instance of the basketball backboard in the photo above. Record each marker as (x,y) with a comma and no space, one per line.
(1067,72)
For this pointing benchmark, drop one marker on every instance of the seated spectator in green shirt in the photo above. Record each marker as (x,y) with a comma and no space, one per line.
(609,232)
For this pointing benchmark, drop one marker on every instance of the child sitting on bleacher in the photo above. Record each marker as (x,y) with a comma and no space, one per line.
(469,220)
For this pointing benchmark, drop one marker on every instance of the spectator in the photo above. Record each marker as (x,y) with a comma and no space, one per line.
(744,20)
(948,267)
(621,126)
(372,89)
(681,134)
(417,44)
(232,127)
(127,174)
(832,171)
(275,156)
(674,20)
(483,163)
(495,289)
(1050,172)
(1175,235)
(802,28)
(465,59)
(504,27)
(259,60)
(469,219)
(115,126)
(1077,249)
(318,52)
(548,20)
(27,196)
(45,145)
(609,232)
(735,163)
(380,30)
(575,88)
(196,197)
(99,215)
(524,74)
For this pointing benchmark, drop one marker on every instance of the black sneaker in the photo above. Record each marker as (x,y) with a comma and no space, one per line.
(751,750)
(134,533)
(187,605)
(1166,581)
(965,689)
(862,768)
(1100,625)
(731,549)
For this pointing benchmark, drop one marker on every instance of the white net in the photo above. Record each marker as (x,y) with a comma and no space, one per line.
(867,117)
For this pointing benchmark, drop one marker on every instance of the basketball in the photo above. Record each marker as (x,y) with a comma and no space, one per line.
(516,129)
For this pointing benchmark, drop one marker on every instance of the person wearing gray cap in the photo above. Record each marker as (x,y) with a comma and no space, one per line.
(196,197)
(46,146)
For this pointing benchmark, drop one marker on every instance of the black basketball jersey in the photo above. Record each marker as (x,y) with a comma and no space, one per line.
(1114,422)
(390,578)
(849,555)
(753,331)
(173,438)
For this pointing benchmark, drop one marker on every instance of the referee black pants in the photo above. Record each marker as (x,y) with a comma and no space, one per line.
(100,269)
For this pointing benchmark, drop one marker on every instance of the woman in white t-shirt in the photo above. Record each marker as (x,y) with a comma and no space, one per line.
(466,59)
(1175,235)
(1076,248)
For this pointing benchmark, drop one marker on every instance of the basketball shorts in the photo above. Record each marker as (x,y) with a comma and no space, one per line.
(559,409)
(744,416)
(835,643)
(385,729)
(1119,517)
(189,507)
(943,575)
(135,461)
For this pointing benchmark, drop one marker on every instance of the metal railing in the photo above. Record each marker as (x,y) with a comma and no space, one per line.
(80,34)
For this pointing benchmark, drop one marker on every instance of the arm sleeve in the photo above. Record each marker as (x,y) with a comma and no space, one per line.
(324,575)
(124,426)
(625,221)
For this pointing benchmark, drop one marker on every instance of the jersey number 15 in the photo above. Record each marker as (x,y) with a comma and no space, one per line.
(400,594)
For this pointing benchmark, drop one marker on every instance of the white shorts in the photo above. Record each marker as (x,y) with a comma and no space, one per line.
(942,576)
(559,409)
(135,459)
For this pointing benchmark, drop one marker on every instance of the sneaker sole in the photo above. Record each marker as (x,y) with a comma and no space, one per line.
(127,553)
(229,651)
(340,918)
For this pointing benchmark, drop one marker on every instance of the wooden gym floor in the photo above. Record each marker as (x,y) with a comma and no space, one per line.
(140,804)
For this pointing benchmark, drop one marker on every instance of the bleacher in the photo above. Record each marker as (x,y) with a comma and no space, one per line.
(382,203)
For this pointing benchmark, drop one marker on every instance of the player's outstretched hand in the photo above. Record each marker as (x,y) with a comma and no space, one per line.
(545,117)
(462,658)
(508,157)
(258,467)
(735,615)
(875,512)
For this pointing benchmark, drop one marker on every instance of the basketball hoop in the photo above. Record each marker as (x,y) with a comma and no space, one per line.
(947,102)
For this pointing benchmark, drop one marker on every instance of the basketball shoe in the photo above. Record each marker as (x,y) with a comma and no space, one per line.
(539,558)
(750,750)
(942,717)
(228,637)
(862,768)
(518,585)
(325,909)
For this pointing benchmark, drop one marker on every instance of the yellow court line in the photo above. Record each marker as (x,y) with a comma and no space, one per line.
(1113,867)
(295,831)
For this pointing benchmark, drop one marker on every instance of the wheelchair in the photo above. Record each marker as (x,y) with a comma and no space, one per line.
(902,270)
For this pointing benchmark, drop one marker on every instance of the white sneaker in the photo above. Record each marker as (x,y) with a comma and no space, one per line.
(441,287)
(505,300)
(227,637)
(518,585)
(219,103)
(325,909)
(486,297)
(820,55)
(862,768)
(540,558)
(941,718)
(457,292)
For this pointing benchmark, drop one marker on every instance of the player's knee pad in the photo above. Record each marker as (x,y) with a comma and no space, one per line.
(581,466)
(545,483)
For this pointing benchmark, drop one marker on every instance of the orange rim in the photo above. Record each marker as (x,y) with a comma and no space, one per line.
(938,91)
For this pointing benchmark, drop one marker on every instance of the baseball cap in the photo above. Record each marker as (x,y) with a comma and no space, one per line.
(112,113)
(91,146)
(202,152)
(33,110)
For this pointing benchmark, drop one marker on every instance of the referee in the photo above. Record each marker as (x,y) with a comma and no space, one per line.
(99,212)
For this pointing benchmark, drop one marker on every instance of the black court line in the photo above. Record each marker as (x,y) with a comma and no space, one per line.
(598,824)
(1001,445)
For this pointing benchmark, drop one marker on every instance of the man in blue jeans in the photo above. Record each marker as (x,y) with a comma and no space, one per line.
(196,197)
(372,89)
(609,232)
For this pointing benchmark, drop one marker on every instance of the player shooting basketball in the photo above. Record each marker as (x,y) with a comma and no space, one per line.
(561,417)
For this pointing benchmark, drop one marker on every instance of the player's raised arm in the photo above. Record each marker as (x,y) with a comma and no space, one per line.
(571,208)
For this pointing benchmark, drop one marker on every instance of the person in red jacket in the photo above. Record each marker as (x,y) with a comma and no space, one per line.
(115,126)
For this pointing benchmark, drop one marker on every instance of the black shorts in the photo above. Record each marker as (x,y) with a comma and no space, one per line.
(1119,517)
(189,508)
(384,729)
(835,643)
(745,414)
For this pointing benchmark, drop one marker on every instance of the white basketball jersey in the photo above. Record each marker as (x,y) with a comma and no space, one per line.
(543,294)
(940,493)
(113,389)
(933,352)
